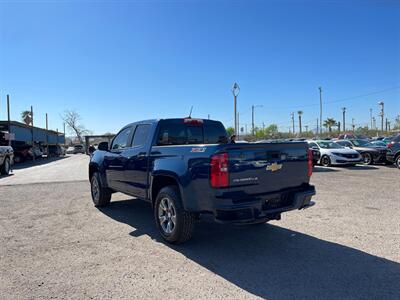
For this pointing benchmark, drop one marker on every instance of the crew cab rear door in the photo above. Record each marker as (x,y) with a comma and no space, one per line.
(136,164)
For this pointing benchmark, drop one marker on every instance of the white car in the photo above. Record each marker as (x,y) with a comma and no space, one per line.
(335,154)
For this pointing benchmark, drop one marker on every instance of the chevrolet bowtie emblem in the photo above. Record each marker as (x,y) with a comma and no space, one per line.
(274,167)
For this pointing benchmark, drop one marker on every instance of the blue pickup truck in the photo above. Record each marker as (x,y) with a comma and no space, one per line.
(189,167)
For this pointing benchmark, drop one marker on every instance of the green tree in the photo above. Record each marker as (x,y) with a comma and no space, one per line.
(329,123)
(230,131)
(26,117)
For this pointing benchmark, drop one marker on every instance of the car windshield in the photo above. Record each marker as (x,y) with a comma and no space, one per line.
(361,143)
(329,145)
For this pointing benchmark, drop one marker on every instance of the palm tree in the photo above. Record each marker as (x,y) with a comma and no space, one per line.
(26,117)
(300,113)
(329,123)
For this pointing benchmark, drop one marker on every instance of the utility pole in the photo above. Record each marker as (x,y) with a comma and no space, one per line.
(373,123)
(306,128)
(209,116)
(292,116)
(263,126)
(320,109)
(352,124)
(252,119)
(9,120)
(389,125)
(386,127)
(47,136)
(344,118)
(338,127)
(33,140)
(370,116)
(382,114)
(235,92)
(317,126)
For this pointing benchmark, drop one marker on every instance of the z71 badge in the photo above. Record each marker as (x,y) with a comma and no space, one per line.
(274,167)
(198,150)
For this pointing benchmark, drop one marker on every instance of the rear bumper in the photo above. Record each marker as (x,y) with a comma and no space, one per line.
(268,207)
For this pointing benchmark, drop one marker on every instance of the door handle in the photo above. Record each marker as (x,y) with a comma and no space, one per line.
(141,154)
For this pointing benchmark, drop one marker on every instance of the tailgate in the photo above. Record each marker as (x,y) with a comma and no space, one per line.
(268,167)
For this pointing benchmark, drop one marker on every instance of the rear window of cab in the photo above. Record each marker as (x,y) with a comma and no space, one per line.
(191,131)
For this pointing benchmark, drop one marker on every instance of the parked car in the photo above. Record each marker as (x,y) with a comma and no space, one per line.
(188,167)
(6,159)
(370,153)
(56,150)
(331,153)
(388,139)
(35,152)
(378,143)
(21,153)
(316,154)
(76,149)
(393,153)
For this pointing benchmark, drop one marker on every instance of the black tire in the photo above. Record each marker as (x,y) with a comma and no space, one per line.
(101,196)
(397,161)
(179,221)
(367,158)
(6,166)
(325,161)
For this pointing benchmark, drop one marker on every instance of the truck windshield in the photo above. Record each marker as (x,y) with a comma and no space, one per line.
(178,132)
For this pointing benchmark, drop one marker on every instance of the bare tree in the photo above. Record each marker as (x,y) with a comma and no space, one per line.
(72,119)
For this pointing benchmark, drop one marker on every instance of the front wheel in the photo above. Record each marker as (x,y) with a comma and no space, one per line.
(101,196)
(5,168)
(326,161)
(397,161)
(174,223)
(366,158)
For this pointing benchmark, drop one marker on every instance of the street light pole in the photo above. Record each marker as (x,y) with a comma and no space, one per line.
(370,116)
(235,92)
(292,116)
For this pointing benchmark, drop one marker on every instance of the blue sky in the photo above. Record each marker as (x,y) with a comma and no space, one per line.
(120,61)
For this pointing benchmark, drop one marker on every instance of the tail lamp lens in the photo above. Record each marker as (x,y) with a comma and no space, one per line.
(310,162)
(219,172)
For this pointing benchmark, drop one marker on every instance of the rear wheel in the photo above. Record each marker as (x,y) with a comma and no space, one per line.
(326,161)
(174,223)
(5,168)
(367,158)
(101,196)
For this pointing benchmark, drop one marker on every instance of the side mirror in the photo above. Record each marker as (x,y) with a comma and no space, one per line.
(103,146)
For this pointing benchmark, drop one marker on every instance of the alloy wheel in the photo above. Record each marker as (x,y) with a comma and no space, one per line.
(167,215)
(95,189)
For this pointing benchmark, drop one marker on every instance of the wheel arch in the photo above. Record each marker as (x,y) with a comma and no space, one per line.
(160,181)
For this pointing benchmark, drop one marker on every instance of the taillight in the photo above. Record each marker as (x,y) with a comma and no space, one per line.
(310,162)
(390,145)
(219,173)
(191,121)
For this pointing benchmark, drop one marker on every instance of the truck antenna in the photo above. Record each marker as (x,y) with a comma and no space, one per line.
(190,114)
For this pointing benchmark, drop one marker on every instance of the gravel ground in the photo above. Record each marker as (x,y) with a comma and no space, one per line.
(55,244)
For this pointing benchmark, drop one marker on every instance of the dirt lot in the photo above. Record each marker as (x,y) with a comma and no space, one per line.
(55,244)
